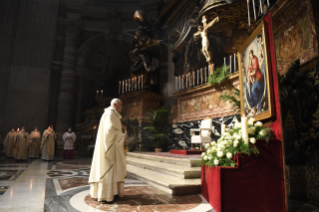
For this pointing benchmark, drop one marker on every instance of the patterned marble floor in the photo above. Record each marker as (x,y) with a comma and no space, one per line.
(62,186)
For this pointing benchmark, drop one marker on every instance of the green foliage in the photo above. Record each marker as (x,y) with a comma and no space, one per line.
(219,75)
(234,99)
(159,122)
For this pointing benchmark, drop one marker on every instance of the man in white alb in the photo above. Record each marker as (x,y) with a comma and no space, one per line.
(108,168)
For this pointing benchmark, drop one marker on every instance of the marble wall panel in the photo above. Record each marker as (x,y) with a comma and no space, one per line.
(180,134)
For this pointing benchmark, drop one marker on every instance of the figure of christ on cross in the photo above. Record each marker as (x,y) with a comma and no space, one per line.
(205,41)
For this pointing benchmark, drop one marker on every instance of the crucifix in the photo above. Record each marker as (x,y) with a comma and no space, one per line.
(202,31)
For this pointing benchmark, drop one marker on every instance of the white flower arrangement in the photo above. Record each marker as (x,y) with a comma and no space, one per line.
(222,152)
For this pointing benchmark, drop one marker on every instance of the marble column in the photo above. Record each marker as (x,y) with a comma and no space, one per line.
(67,83)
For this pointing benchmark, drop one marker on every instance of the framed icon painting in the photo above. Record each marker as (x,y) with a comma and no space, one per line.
(254,75)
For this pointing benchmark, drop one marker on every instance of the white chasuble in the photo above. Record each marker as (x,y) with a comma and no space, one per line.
(108,168)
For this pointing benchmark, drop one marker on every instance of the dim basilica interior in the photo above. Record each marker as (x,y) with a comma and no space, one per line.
(159,105)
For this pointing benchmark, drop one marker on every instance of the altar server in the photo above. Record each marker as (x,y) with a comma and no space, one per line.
(68,139)
(48,144)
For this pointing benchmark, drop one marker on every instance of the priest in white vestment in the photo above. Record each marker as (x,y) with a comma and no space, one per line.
(69,138)
(108,168)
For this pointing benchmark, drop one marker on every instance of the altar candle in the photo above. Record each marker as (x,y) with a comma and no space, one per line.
(223,128)
(261,8)
(142,82)
(179,82)
(176,84)
(139,83)
(268,4)
(248,9)
(182,77)
(135,83)
(190,79)
(126,85)
(97,93)
(205,71)
(193,78)
(235,63)
(254,8)
(230,64)
(225,64)
(201,76)
(129,85)
(197,77)
(244,129)
(186,81)
(119,87)
(101,93)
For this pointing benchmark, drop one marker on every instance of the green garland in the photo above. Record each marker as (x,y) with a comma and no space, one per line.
(219,76)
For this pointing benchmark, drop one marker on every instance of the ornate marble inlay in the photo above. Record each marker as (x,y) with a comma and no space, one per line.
(147,198)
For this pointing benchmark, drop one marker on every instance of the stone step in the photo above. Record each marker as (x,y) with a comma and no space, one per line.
(171,184)
(190,161)
(176,170)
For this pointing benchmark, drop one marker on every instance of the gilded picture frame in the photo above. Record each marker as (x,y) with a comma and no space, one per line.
(255,76)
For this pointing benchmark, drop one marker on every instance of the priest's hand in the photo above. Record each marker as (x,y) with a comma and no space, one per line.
(126,136)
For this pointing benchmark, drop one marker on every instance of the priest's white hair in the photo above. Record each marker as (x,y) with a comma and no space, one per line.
(114,101)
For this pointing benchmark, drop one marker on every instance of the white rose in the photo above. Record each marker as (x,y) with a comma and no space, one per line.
(213,143)
(203,154)
(251,131)
(219,140)
(237,125)
(210,157)
(251,121)
(229,155)
(220,154)
(262,132)
(252,140)
(221,146)
(236,142)
(238,137)
(207,146)
(205,157)
(258,124)
(216,162)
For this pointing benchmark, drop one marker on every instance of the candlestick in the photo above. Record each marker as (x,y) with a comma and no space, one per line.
(119,87)
(268,4)
(201,76)
(101,93)
(223,128)
(139,83)
(179,83)
(97,93)
(225,64)
(129,85)
(123,86)
(135,83)
(248,9)
(142,82)
(244,129)
(261,8)
(254,9)
(197,77)
(235,63)
(230,64)
(189,79)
